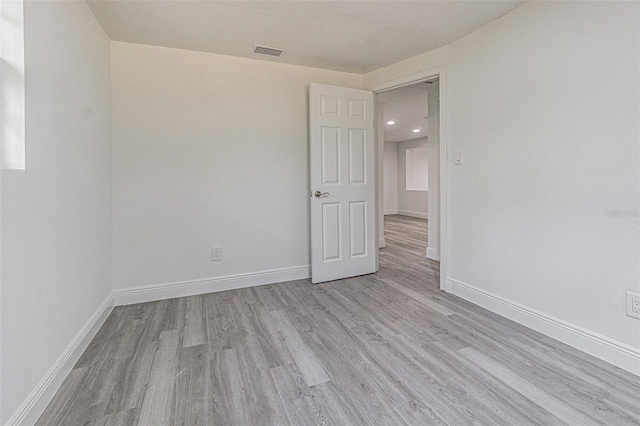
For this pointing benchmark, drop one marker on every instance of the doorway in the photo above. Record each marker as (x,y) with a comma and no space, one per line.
(409,173)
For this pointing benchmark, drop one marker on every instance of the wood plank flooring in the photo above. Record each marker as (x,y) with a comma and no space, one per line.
(381,349)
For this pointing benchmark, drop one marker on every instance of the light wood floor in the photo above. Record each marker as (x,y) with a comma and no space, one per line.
(380,349)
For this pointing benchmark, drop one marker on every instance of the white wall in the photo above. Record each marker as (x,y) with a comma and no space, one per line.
(412,203)
(390,178)
(209,150)
(433,148)
(417,167)
(56,225)
(544,212)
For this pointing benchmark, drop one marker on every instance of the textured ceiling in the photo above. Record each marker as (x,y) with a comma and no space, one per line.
(407,106)
(353,36)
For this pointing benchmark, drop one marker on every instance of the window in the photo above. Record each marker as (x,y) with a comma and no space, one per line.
(12,85)
(417,169)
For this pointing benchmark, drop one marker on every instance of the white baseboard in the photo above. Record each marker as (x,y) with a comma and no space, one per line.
(149,293)
(607,349)
(433,254)
(33,406)
(391,211)
(413,214)
(382,242)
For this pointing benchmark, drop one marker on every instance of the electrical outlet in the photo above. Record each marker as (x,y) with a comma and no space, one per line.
(633,305)
(216,254)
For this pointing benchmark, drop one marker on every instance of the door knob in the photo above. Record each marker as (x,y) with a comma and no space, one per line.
(319,194)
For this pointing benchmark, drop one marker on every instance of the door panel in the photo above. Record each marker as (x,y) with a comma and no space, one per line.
(358,228)
(357,109)
(342,166)
(357,156)
(331,236)
(330,106)
(330,156)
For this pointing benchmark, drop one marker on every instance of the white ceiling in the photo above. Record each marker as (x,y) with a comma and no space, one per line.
(407,106)
(353,36)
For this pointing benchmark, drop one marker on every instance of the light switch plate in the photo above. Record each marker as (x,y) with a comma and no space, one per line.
(457,157)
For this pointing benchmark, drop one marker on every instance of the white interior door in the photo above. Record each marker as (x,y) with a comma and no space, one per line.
(343,239)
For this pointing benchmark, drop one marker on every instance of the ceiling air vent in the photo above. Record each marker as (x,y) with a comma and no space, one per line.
(268,51)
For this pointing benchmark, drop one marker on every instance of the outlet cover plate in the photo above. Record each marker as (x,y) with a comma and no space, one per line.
(216,254)
(633,305)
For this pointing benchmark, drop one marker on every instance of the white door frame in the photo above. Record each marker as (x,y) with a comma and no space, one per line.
(441,74)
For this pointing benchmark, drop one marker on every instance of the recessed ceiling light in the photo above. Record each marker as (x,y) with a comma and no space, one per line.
(416,130)
(391,122)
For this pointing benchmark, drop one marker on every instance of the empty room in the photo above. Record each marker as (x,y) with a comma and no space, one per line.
(199,221)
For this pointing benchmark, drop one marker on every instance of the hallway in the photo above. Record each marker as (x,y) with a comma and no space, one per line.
(406,245)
